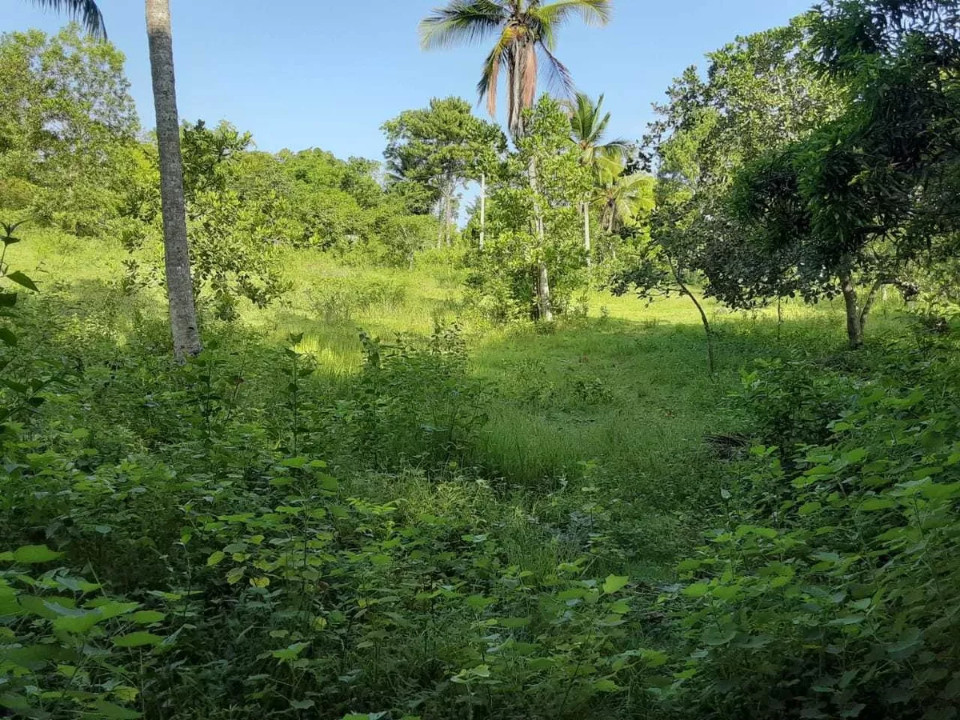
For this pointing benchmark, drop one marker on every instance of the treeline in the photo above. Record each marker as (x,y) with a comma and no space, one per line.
(813,161)
(73,156)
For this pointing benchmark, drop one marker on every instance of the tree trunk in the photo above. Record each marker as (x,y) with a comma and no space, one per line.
(483,210)
(586,232)
(440,224)
(183,311)
(448,219)
(707,328)
(854,319)
(544,303)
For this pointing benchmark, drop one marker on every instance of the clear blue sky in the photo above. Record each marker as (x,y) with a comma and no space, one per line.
(328,73)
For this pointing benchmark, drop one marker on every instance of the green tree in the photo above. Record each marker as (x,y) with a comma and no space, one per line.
(440,148)
(509,274)
(524,30)
(758,93)
(67,129)
(588,124)
(873,193)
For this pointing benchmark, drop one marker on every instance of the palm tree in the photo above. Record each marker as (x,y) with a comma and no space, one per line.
(588,126)
(86,11)
(622,199)
(183,312)
(526,34)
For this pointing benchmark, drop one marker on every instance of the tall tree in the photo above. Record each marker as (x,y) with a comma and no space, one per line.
(589,124)
(183,312)
(86,11)
(525,32)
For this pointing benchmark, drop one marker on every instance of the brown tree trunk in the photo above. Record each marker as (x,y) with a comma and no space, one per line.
(183,312)
(854,319)
(707,328)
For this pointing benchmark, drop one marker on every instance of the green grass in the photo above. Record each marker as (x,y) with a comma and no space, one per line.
(625,388)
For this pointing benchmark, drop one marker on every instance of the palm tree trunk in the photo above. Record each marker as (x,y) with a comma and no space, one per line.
(483,209)
(183,312)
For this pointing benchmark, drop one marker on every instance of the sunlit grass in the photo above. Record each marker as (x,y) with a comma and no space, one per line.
(626,387)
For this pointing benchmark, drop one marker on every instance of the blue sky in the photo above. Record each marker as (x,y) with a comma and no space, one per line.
(328,73)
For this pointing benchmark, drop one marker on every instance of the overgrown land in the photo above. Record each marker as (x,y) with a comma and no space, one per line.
(667,429)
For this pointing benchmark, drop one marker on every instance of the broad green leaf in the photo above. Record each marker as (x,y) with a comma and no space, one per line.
(78,624)
(23,281)
(291,652)
(147,617)
(615,583)
(606,686)
(137,639)
(114,712)
(696,590)
(35,555)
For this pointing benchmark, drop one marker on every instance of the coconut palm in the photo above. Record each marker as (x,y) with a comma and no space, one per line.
(183,312)
(588,126)
(525,33)
(86,11)
(620,197)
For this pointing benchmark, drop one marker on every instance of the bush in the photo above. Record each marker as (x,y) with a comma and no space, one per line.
(831,587)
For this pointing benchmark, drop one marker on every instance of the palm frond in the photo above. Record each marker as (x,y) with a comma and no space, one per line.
(462,21)
(86,11)
(558,74)
(487,87)
(593,12)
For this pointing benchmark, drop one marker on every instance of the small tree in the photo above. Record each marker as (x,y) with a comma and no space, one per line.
(533,259)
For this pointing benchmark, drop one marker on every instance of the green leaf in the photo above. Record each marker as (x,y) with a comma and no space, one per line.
(216,558)
(302,704)
(113,609)
(696,590)
(148,617)
(77,624)
(873,504)
(114,712)
(34,555)
(291,652)
(615,583)
(606,686)
(137,639)
(22,280)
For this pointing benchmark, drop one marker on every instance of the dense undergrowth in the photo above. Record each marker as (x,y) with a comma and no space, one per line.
(472,522)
